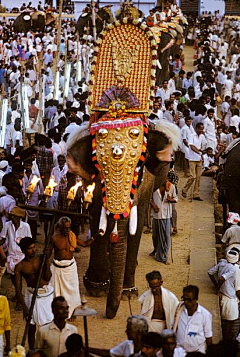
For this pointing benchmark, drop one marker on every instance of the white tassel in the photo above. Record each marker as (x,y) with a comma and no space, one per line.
(103,222)
(133,221)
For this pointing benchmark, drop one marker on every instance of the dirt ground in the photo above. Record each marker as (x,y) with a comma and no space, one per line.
(104,333)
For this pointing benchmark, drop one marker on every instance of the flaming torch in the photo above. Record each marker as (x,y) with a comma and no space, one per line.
(89,194)
(48,192)
(72,192)
(32,186)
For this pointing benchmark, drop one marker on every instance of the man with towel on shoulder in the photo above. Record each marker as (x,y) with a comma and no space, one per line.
(158,304)
(29,269)
(12,232)
(226,290)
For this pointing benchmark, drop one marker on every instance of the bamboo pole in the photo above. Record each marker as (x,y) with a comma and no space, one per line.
(22,110)
(58,43)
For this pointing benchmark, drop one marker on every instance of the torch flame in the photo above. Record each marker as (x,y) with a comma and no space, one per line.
(73,190)
(33,184)
(50,187)
(91,188)
(89,193)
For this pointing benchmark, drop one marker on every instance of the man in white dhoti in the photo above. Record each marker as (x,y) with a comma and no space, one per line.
(158,304)
(64,268)
(12,232)
(225,284)
(29,269)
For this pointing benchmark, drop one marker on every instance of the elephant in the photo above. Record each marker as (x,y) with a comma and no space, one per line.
(103,16)
(112,263)
(129,10)
(229,187)
(34,21)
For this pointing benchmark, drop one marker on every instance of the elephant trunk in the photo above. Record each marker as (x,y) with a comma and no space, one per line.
(118,252)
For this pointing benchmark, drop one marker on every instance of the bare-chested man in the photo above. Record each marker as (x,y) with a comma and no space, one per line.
(28,269)
(158,304)
(64,267)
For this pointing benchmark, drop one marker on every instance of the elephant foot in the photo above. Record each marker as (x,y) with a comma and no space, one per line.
(112,308)
(130,294)
(96,289)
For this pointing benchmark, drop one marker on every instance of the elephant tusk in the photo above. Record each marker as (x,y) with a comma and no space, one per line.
(103,222)
(133,221)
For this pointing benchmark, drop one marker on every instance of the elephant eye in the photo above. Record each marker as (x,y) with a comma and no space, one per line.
(134,133)
(103,133)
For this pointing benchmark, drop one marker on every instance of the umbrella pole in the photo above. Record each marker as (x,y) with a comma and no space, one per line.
(86,335)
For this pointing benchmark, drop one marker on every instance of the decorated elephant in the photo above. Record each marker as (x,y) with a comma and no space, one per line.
(115,272)
(35,21)
(127,9)
(103,17)
(120,153)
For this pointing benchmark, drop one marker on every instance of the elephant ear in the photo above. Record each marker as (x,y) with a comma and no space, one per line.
(166,138)
(79,146)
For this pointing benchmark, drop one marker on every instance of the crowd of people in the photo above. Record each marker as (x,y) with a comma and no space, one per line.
(202,103)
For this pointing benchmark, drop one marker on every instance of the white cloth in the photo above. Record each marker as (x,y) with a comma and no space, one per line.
(210,133)
(71,128)
(207,161)
(6,205)
(178,352)
(42,312)
(124,349)
(199,142)
(13,237)
(193,330)
(58,174)
(165,207)
(234,121)
(229,308)
(66,283)
(186,132)
(170,303)
(231,235)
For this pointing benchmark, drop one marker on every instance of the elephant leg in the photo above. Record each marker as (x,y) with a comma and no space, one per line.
(118,252)
(96,278)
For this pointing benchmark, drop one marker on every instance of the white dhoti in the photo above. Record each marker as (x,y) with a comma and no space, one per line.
(42,312)
(156,325)
(65,282)
(229,308)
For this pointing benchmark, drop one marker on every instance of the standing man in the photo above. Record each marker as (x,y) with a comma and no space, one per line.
(194,326)
(197,143)
(210,129)
(225,284)
(12,232)
(29,269)
(161,203)
(158,304)
(64,268)
(51,337)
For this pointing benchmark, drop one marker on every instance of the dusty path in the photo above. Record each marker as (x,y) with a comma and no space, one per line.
(104,333)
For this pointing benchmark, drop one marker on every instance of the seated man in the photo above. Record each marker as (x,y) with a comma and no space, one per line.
(209,166)
(29,269)
(158,304)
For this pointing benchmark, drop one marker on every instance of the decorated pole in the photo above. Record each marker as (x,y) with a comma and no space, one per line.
(58,44)
(40,112)
(94,21)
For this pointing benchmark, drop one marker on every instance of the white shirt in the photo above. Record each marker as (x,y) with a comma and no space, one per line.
(231,235)
(199,142)
(178,352)
(51,340)
(207,160)
(6,205)
(186,132)
(71,128)
(234,121)
(125,348)
(13,237)
(165,95)
(165,207)
(193,330)
(209,128)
